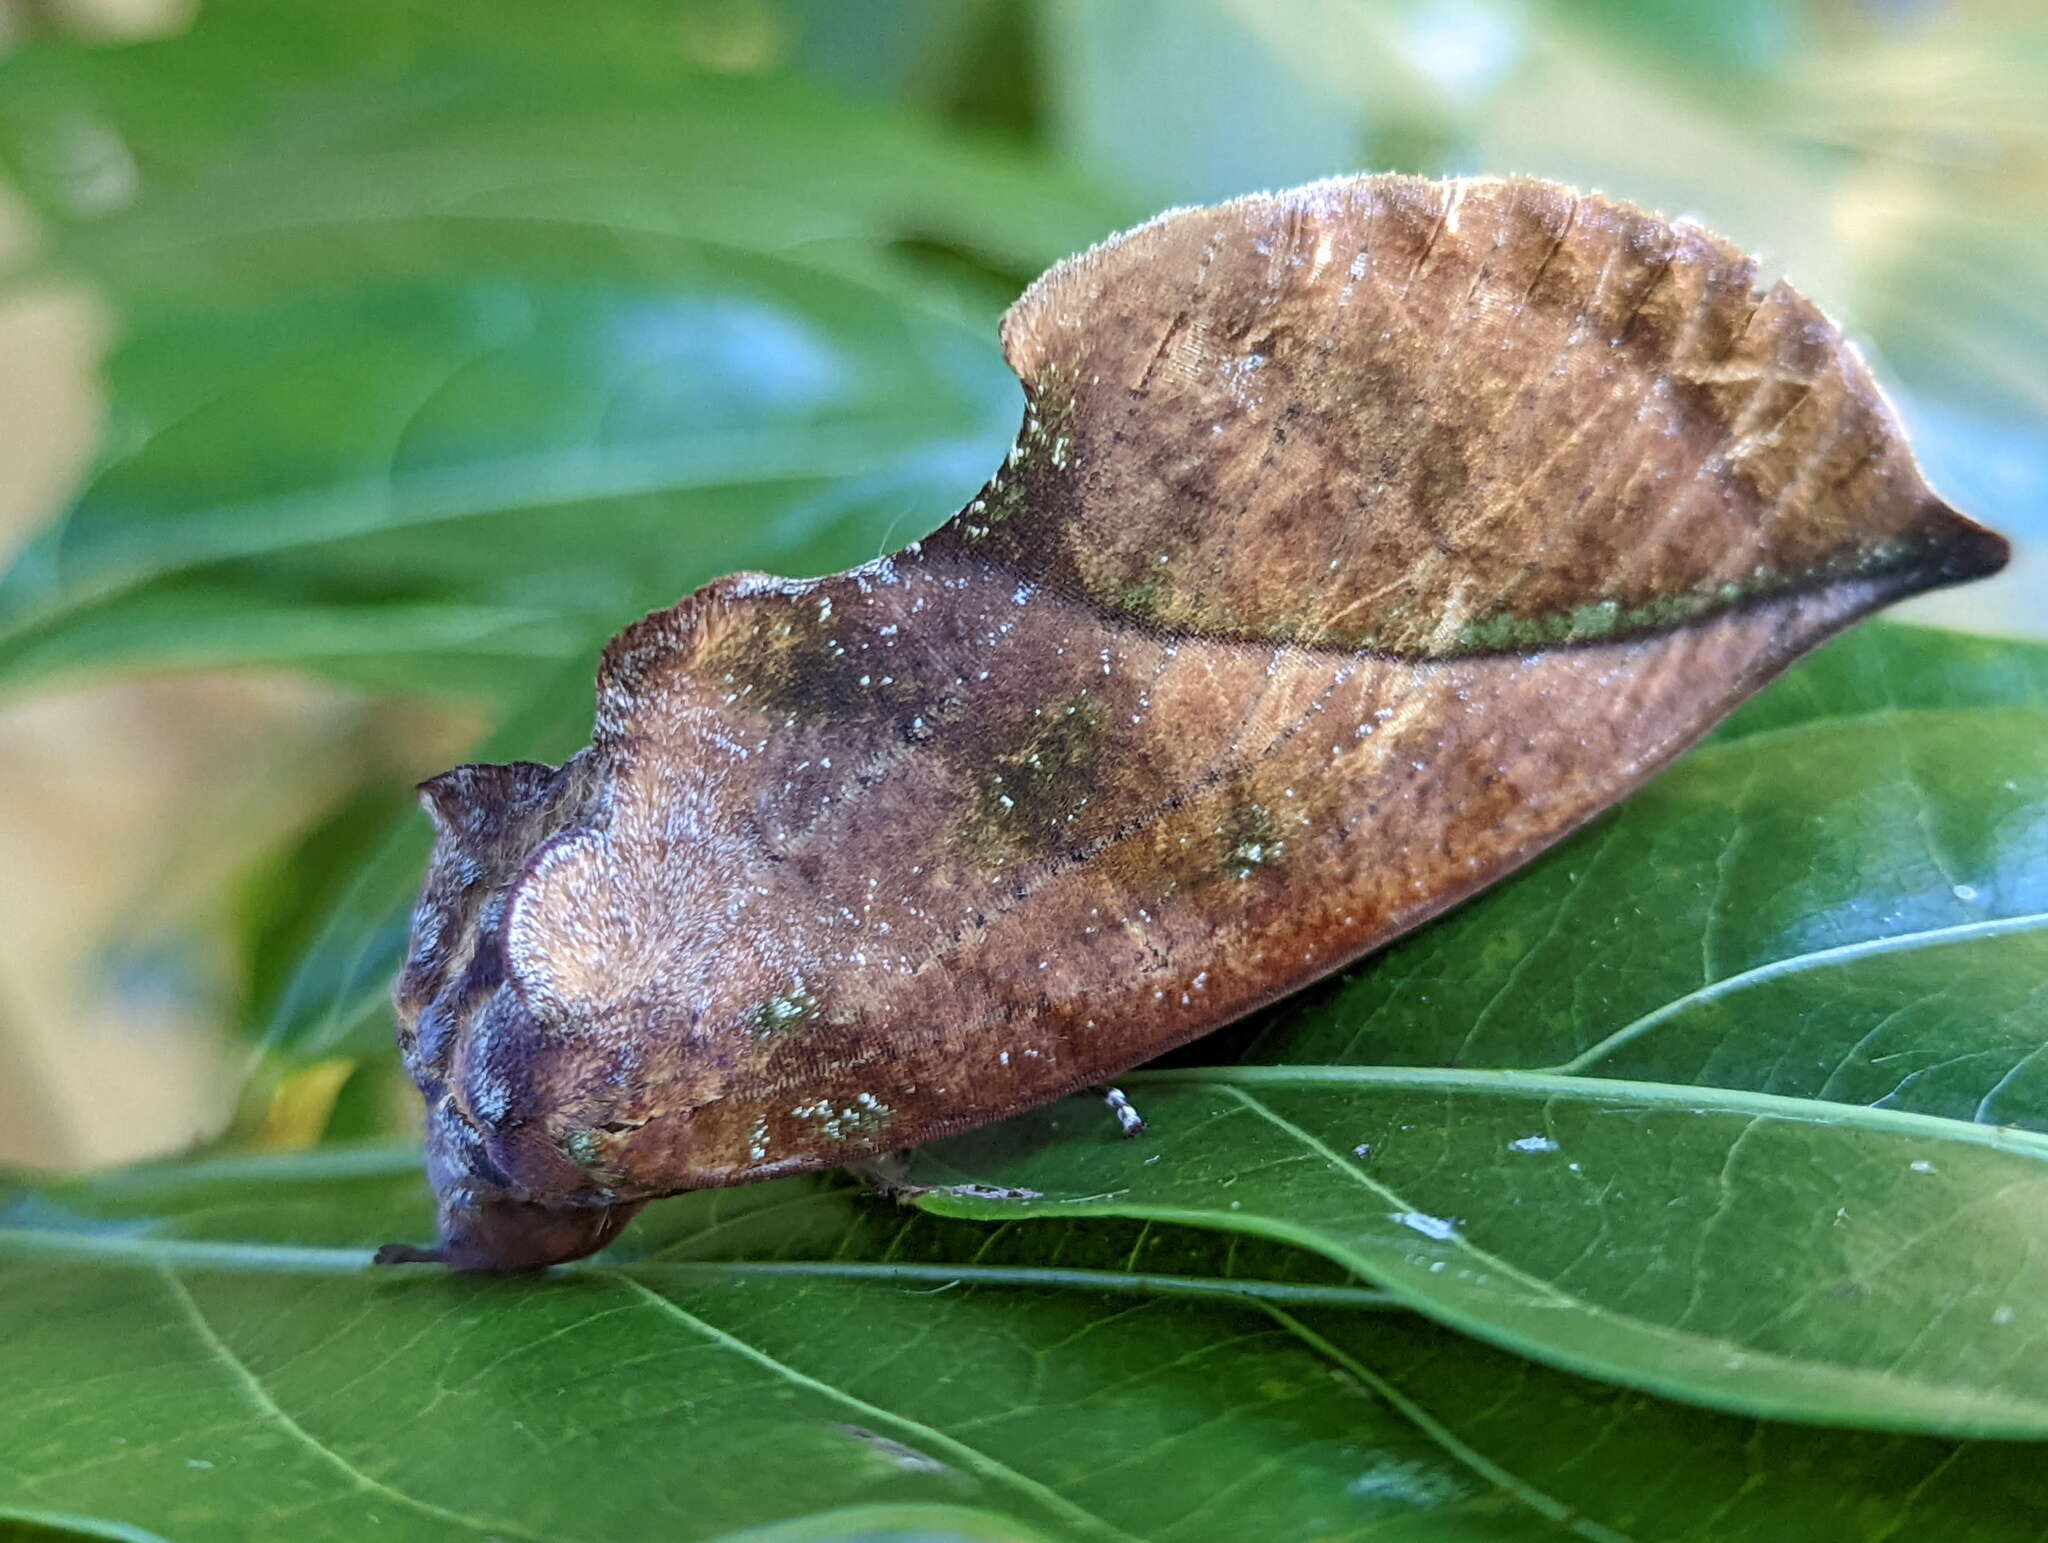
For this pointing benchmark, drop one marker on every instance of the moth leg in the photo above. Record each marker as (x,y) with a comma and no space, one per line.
(1128,1120)
(888,1175)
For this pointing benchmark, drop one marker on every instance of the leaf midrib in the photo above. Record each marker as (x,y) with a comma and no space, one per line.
(1795,964)
(1551,1083)
(289,1259)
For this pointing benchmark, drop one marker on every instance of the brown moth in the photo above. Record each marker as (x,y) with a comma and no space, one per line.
(1360,542)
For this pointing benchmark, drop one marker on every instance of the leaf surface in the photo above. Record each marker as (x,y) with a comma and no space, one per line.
(211,1355)
(1773,1256)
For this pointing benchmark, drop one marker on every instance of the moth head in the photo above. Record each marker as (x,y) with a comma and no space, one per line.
(510,1190)
(541,970)
(490,1210)
(512,1235)
(489,1066)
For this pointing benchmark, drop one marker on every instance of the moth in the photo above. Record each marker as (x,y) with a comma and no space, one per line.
(1360,542)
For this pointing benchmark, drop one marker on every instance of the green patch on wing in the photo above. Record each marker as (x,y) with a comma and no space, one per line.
(1030,795)
(1251,840)
(789,1011)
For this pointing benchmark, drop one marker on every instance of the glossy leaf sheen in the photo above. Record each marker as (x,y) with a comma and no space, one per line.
(795,1360)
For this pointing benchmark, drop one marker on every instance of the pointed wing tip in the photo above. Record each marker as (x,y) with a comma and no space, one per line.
(1964,549)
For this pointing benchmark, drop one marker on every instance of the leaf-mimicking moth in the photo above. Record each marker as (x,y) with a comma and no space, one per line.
(1359,543)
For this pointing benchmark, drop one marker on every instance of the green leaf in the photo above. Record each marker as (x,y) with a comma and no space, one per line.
(353,136)
(308,482)
(1883,669)
(1732,1097)
(211,1356)
(1767,1255)
(386,273)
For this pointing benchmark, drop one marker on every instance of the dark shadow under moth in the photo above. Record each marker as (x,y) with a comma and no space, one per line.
(1359,543)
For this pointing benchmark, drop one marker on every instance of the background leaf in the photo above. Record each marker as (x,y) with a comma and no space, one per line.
(649,330)
(317,497)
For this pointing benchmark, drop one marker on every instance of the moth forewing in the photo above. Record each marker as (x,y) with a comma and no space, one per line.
(1359,542)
